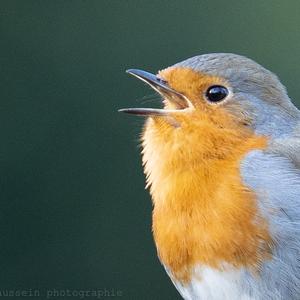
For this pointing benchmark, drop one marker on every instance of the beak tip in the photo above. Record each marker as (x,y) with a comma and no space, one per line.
(130,71)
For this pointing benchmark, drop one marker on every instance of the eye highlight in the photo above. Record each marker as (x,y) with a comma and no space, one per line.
(216,93)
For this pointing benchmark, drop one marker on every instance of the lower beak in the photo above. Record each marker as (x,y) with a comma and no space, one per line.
(161,87)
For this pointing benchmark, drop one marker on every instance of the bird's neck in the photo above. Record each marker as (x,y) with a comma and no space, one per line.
(203,213)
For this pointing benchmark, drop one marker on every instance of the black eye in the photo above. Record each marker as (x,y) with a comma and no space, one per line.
(216,93)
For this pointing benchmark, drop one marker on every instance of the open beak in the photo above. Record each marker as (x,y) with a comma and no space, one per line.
(179,101)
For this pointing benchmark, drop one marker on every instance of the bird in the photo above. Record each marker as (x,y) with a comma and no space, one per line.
(222,163)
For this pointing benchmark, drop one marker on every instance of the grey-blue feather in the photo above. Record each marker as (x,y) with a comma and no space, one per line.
(276,182)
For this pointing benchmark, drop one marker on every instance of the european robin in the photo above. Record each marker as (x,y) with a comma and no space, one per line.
(222,161)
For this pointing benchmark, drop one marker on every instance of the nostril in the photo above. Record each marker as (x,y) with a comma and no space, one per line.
(162,81)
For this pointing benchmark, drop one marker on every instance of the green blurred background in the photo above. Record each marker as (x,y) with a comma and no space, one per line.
(74,213)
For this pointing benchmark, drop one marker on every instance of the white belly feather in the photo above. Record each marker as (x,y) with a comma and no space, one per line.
(212,284)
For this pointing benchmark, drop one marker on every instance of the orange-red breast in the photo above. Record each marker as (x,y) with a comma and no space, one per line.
(222,163)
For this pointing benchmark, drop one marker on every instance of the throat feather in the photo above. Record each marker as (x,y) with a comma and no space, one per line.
(203,213)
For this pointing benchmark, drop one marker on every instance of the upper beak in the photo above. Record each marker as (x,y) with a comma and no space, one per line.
(160,86)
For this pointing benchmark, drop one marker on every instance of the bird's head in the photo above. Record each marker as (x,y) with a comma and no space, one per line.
(213,101)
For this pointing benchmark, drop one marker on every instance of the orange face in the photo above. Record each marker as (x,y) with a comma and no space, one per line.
(190,83)
(203,213)
(194,86)
(200,129)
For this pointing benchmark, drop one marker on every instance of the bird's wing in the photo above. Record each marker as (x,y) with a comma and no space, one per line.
(274,176)
(288,147)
